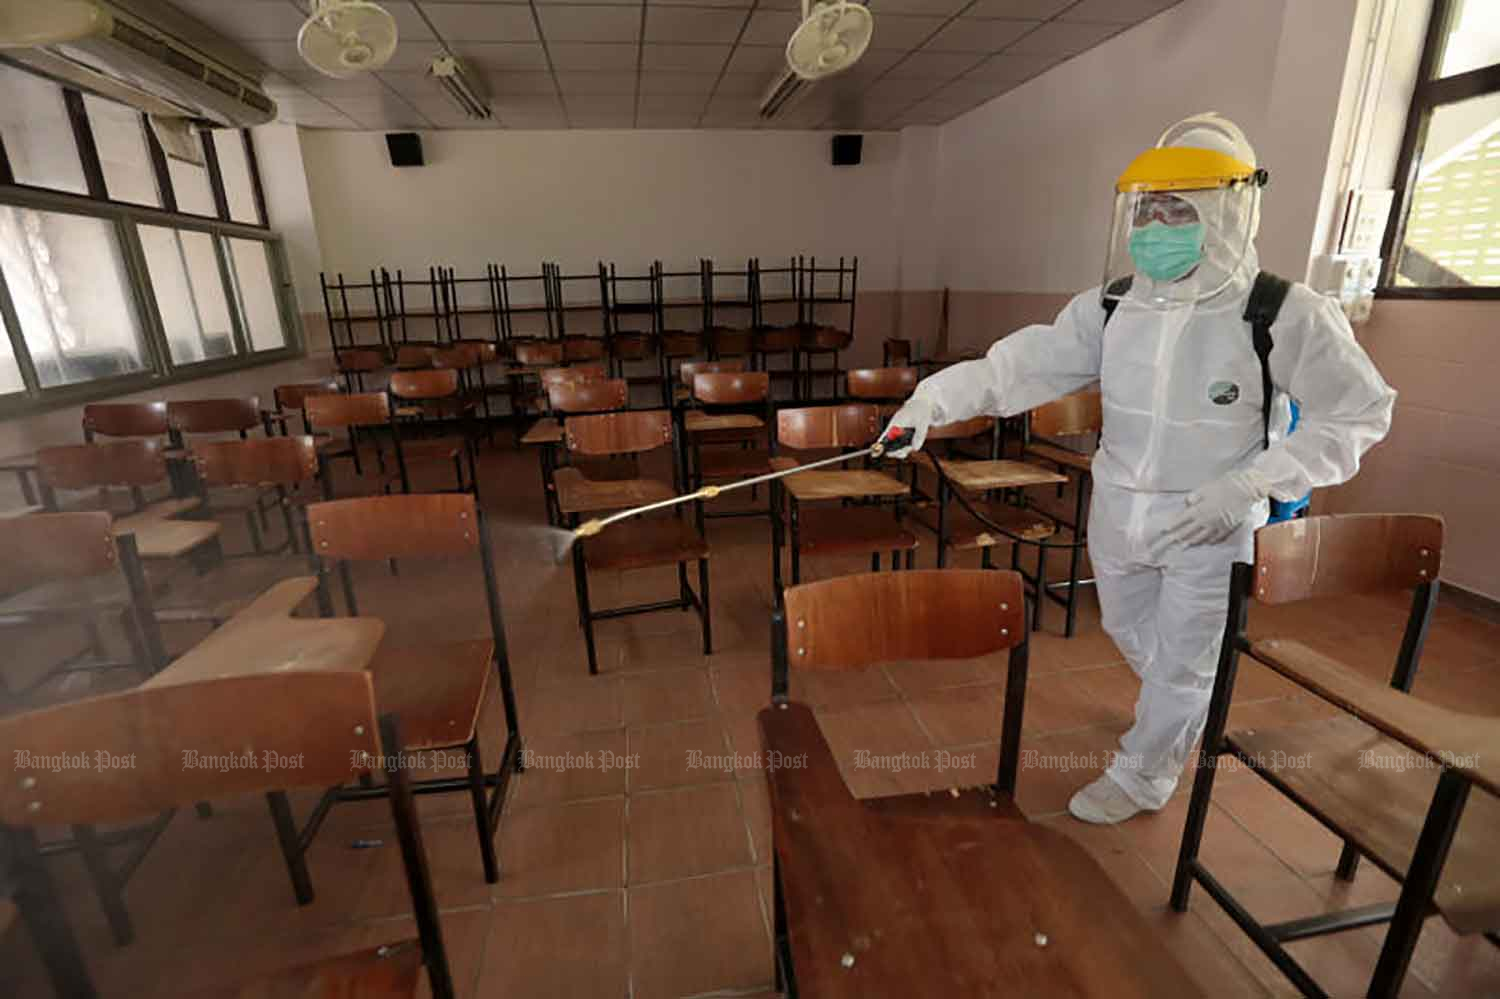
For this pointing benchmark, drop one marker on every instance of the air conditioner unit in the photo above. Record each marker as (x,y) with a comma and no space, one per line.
(97,45)
(787,88)
(461,86)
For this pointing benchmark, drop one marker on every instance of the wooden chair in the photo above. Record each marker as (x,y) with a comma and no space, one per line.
(895,352)
(724,435)
(954,894)
(1392,778)
(71,567)
(726,342)
(354,363)
(125,419)
(469,358)
(133,465)
(841,529)
(163,729)
(637,544)
(415,356)
(819,340)
(532,358)
(437,688)
(675,346)
(886,387)
(773,341)
(353,412)
(430,396)
(215,416)
(1079,416)
(290,401)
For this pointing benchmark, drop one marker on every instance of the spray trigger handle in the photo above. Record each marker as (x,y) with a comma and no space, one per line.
(895,439)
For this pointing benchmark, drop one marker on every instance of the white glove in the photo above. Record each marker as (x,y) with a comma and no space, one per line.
(915,416)
(1214,510)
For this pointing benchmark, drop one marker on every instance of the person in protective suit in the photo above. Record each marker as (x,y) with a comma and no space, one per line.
(1188,458)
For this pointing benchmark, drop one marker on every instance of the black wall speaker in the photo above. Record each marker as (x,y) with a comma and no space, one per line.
(405,148)
(846,149)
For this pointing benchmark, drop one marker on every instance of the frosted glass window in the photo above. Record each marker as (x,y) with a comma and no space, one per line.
(234,168)
(189,293)
(120,137)
(190,183)
(257,294)
(38,136)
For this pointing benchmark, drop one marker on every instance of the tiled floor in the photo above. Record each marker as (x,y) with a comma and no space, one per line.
(635,850)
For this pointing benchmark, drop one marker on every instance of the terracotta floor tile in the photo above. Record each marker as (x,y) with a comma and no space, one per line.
(682,833)
(584,706)
(562,848)
(677,695)
(557,948)
(452,860)
(755,801)
(741,690)
(698,936)
(569,767)
(678,754)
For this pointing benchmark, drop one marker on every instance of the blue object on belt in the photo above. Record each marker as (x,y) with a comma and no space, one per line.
(1288,511)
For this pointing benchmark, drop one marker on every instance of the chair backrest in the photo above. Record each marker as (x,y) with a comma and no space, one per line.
(854,622)
(1346,553)
(731,341)
(291,396)
(539,353)
(125,419)
(573,373)
(415,355)
(961,430)
(589,396)
(214,416)
(692,369)
(896,351)
(731,388)
(882,383)
(44,547)
(417,525)
(619,433)
(358,409)
(432,383)
(163,743)
(278,460)
(117,463)
(361,359)
(582,348)
(851,425)
(1072,415)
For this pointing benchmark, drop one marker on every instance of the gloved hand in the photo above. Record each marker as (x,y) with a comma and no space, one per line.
(915,416)
(1214,510)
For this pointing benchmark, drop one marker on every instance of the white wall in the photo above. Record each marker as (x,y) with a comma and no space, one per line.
(579,197)
(283,176)
(1027,180)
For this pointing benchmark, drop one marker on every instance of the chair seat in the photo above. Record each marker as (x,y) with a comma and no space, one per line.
(544,431)
(1376,792)
(696,421)
(852,483)
(158,537)
(438,449)
(435,689)
(638,544)
(937,895)
(966,533)
(229,588)
(732,462)
(383,972)
(857,529)
(1063,456)
(993,474)
(578,494)
(172,506)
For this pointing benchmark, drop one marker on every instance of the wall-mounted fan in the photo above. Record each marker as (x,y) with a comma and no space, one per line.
(344,38)
(832,36)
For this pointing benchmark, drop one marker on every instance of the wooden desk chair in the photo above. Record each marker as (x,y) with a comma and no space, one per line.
(640,543)
(895,352)
(131,465)
(470,358)
(779,341)
(354,363)
(724,436)
(727,341)
(682,392)
(290,401)
(164,728)
(579,398)
(841,529)
(437,688)
(951,894)
(429,396)
(819,340)
(125,419)
(354,413)
(675,346)
(415,356)
(70,567)
(627,346)
(532,358)
(218,418)
(886,387)
(1063,434)
(579,348)
(1392,778)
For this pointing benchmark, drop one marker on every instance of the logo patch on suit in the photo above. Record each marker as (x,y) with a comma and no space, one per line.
(1223,393)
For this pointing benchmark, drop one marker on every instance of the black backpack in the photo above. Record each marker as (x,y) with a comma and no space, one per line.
(1261,310)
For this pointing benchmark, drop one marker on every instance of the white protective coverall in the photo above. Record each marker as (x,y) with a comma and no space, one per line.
(1165,434)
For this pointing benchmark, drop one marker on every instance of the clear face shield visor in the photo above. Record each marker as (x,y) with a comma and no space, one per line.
(1180,239)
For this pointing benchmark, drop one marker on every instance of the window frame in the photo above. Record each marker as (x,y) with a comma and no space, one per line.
(1431,93)
(125,217)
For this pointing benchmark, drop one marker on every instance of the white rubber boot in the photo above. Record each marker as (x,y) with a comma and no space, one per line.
(1103,803)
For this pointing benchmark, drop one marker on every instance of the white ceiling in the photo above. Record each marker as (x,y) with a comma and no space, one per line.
(668,64)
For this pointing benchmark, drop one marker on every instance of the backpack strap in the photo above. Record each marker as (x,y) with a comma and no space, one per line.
(1112,295)
(1261,310)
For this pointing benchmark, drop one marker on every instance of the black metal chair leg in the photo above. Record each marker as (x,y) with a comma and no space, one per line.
(583,608)
(1348,863)
(291,848)
(481,812)
(40,905)
(706,611)
(874,561)
(106,885)
(257,541)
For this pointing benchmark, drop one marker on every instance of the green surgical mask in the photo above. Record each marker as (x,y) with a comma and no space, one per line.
(1166,252)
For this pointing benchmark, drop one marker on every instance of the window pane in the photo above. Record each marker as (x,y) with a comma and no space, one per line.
(10,372)
(190,181)
(121,138)
(1453,230)
(1473,39)
(234,168)
(67,278)
(189,293)
(38,136)
(257,294)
